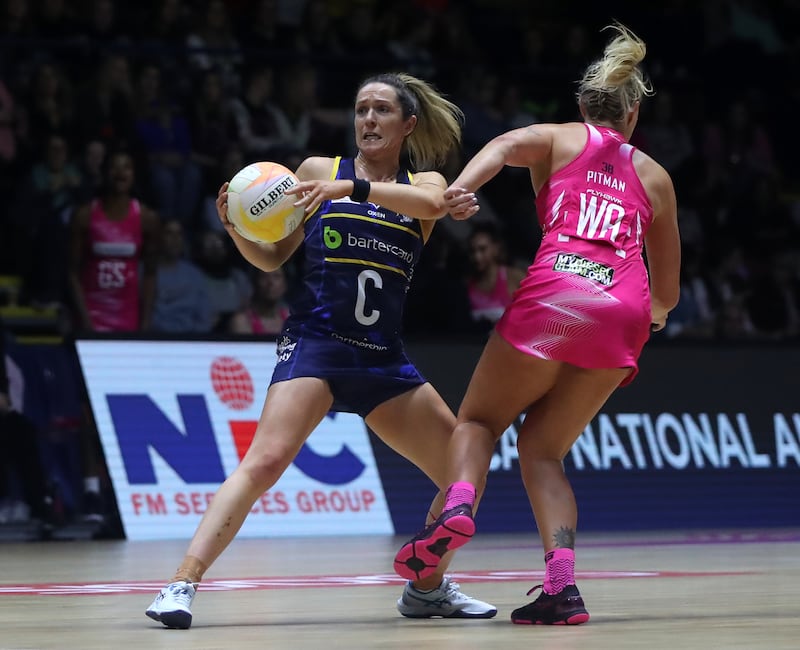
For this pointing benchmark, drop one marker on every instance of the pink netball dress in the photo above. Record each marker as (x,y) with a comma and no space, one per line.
(490,306)
(586,298)
(111,273)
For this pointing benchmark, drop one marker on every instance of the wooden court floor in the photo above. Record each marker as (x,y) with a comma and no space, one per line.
(704,590)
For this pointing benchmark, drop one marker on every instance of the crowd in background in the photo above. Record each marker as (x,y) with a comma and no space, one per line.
(196,89)
(192,90)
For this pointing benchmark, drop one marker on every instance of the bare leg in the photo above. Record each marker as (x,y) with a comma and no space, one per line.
(418,425)
(552,501)
(550,428)
(496,396)
(291,412)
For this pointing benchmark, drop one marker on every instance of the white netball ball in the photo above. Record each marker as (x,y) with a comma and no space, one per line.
(258,206)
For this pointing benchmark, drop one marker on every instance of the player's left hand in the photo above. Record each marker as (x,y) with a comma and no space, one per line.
(460,203)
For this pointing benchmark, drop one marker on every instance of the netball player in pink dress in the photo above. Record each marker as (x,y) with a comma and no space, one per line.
(577,324)
(113,255)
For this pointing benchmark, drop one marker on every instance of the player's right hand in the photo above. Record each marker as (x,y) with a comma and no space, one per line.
(222,207)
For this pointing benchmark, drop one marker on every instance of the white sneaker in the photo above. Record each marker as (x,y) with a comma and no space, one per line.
(171,606)
(446,601)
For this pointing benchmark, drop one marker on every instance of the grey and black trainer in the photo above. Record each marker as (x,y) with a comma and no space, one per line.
(446,601)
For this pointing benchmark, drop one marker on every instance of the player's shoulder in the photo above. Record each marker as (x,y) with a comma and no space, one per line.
(315,168)
(650,170)
(429,177)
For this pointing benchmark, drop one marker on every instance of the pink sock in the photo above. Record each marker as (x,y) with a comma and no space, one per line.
(458,494)
(559,570)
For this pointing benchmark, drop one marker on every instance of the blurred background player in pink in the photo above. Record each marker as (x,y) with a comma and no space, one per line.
(113,255)
(574,330)
(492,281)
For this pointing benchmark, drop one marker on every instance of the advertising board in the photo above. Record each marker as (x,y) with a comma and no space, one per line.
(176,417)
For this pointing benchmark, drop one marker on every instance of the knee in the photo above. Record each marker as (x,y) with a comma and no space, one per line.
(475,428)
(264,469)
(531,450)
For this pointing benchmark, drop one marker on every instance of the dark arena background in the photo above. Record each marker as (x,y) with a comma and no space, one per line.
(112,444)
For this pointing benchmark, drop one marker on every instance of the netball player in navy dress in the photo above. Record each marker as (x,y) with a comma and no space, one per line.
(367,219)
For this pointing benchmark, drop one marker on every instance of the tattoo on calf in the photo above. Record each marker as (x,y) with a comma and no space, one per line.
(564,538)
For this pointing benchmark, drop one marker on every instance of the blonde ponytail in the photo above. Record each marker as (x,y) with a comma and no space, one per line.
(614,83)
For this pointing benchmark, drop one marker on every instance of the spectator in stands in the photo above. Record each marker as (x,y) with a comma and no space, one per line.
(228,287)
(49,106)
(318,31)
(411,38)
(45,206)
(181,303)
(254,124)
(737,152)
(773,305)
(55,20)
(105,109)
(165,136)
(162,28)
(165,23)
(732,274)
(211,127)
(213,43)
(438,300)
(302,127)
(18,23)
(267,311)
(261,33)
(733,323)
(91,168)
(695,315)
(103,27)
(516,110)
(55,177)
(666,137)
(478,88)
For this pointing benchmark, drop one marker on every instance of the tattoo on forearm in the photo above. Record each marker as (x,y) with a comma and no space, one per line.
(564,537)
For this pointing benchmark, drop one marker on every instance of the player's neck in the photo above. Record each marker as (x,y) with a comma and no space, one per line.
(375,171)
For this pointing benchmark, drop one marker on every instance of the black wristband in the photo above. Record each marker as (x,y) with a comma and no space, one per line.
(360,191)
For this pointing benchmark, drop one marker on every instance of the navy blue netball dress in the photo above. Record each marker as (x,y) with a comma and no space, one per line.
(345,325)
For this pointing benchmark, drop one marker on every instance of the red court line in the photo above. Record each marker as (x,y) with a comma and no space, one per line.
(330,581)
